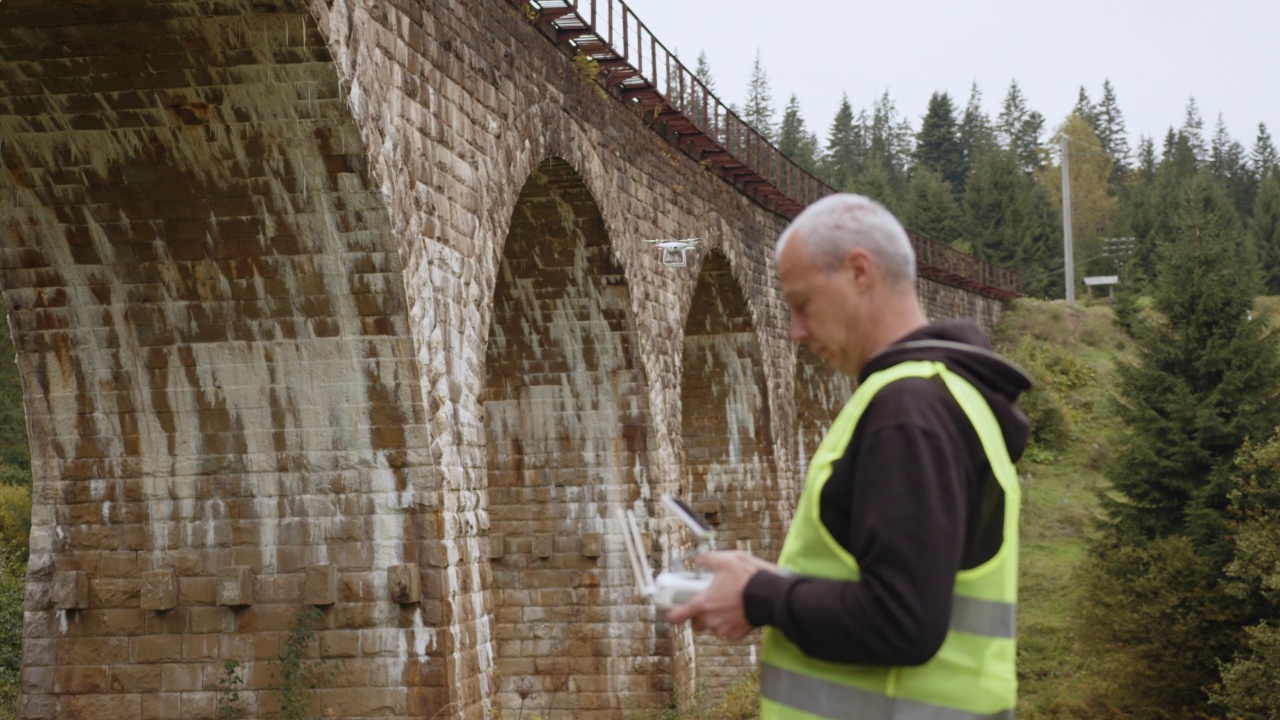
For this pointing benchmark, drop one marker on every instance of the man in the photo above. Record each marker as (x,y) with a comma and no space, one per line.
(894,593)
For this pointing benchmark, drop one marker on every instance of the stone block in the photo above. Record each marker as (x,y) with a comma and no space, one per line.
(321,585)
(159,590)
(542,545)
(235,586)
(404,582)
(71,590)
(497,547)
(592,545)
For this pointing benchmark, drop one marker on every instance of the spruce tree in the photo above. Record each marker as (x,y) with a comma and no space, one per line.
(1207,377)
(1192,131)
(1111,131)
(1229,167)
(697,95)
(1157,607)
(1264,228)
(794,139)
(930,207)
(938,145)
(1021,128)
(875,183)
(703,72)
(1084,110)
(1263,157)
(1139,215)
(840,164)
(976,133)
(1009,219)
(758,110)
(889,143)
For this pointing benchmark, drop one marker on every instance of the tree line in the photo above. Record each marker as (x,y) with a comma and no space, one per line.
(992,187)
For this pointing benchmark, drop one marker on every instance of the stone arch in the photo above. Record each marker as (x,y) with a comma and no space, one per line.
(566,413)
(727,424)
(730,468)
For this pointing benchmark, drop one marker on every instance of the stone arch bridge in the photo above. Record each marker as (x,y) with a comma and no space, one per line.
(346,304)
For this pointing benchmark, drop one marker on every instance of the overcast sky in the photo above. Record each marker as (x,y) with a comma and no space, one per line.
(1157,54)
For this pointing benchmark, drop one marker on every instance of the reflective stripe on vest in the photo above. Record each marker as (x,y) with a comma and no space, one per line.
(972,676)
(829,700)
(983,617)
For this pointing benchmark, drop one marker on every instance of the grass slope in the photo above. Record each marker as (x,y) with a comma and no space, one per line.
(1072,354)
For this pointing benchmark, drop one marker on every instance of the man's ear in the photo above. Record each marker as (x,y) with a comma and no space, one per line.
(861,268)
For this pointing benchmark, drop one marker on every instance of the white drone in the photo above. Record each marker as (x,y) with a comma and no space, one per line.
(674,252)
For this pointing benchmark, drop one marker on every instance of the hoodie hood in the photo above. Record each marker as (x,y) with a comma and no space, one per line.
(963,348)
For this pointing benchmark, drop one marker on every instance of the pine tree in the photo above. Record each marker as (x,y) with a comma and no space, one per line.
(703,72)
(1193,131)
(1021,128)
(1206,378)
(1010,220)
(930,207)
(875,183)
(889,143)
(1264,228)
(794,139)
(1139,215)
(1156,604)
(697,99)
(1084,110)
(1263,157)
(1110,129)
(976,133)
(758,111)
(1228,166)
(938,145)
(840,164)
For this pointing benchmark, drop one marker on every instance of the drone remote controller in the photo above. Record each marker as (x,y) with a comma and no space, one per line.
(673,588)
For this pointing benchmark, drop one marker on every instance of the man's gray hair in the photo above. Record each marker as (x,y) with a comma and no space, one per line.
(838,224)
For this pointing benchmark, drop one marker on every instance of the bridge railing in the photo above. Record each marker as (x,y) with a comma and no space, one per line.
(647,73)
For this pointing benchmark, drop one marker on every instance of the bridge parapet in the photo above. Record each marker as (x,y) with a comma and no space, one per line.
(640,70)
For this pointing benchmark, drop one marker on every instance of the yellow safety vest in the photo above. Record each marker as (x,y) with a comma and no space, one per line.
(973,676)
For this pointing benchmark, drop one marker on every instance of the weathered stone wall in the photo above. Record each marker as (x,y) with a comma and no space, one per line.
(207,300)
(944,301)
(347,305)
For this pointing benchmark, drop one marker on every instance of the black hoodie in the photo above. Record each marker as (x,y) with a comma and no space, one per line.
(913,499)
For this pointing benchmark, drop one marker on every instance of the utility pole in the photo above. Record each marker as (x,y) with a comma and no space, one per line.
(1068,254)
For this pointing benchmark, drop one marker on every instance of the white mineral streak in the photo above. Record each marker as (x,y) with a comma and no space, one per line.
(312,393)
(820,394)
(572,426)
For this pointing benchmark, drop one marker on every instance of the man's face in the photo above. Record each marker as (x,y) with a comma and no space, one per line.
(824,305)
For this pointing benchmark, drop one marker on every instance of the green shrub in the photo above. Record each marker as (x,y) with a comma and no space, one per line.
(1156,619)
(12,584)
(1250,685)
(1251,682)
(1056,375)
(15,518)
(296,674)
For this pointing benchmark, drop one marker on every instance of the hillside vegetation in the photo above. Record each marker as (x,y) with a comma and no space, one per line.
(1072,354)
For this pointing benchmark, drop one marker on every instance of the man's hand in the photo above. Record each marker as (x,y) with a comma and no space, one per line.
(719,608)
